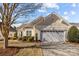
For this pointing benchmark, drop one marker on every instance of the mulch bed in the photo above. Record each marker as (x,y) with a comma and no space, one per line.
(8,51)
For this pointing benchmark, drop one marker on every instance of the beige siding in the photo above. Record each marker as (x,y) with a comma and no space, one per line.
(24,32)
(28,29)
(11,34)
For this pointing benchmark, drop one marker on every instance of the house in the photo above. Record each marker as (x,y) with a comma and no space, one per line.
(75,24)
(52,28)
(11,33)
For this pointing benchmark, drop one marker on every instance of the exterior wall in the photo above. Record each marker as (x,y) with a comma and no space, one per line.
(28,29)
(19,32)
(11,34)
(24,31)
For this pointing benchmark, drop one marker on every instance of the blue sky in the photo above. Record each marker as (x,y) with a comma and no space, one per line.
(70,11)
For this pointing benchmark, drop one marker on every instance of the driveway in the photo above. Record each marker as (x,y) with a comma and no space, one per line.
(61,49)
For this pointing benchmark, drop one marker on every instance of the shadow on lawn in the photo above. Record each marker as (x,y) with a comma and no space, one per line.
(21,47)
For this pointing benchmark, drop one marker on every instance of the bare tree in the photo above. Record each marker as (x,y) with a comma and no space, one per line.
(9,12)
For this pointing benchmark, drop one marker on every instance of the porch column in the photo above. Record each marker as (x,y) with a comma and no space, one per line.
(34,32)
(65,36)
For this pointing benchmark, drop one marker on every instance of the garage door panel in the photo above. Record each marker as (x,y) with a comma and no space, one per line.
(54,36)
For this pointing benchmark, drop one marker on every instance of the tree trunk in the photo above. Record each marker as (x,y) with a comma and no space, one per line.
(5,42)
(5,33)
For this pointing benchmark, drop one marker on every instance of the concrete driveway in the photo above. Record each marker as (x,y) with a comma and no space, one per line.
(61,49)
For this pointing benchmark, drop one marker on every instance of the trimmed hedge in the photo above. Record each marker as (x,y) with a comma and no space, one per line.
(27,38)
(31,39)
(73,34)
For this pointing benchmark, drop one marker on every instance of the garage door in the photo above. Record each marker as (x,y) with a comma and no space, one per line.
(53,36)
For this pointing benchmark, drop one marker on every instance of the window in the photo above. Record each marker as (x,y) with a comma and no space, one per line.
(28,33)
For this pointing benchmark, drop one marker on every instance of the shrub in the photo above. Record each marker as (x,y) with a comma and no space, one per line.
(24,38)
(20,38)
(73,34)
(77,34)
(39,41)
(31,39)
(9,38)
(14,38)
(28,38)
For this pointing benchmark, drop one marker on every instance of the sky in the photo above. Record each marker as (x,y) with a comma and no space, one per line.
(69,11)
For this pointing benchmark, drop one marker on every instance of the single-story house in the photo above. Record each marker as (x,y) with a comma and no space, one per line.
(52,28)
(11,33)
(75,24)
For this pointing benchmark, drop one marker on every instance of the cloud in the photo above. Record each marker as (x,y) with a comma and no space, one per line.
(65,13)
(73,5)
(42,10)
(46,6)
(51,5)
(73,12)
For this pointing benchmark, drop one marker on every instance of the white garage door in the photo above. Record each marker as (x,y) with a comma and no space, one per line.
(53,36)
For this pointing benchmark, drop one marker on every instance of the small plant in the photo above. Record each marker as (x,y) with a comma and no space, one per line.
(14,38)
(9,38)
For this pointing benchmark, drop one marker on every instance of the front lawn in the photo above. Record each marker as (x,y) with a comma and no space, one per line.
(20,49)
(7,51)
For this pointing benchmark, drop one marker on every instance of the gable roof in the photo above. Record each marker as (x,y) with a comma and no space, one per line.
(30,25)
(37,20)
(45,20)
(51,18)
(62,19)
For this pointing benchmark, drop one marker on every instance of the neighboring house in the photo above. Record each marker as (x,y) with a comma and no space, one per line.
(52,28)
(11,33)
(75,24)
